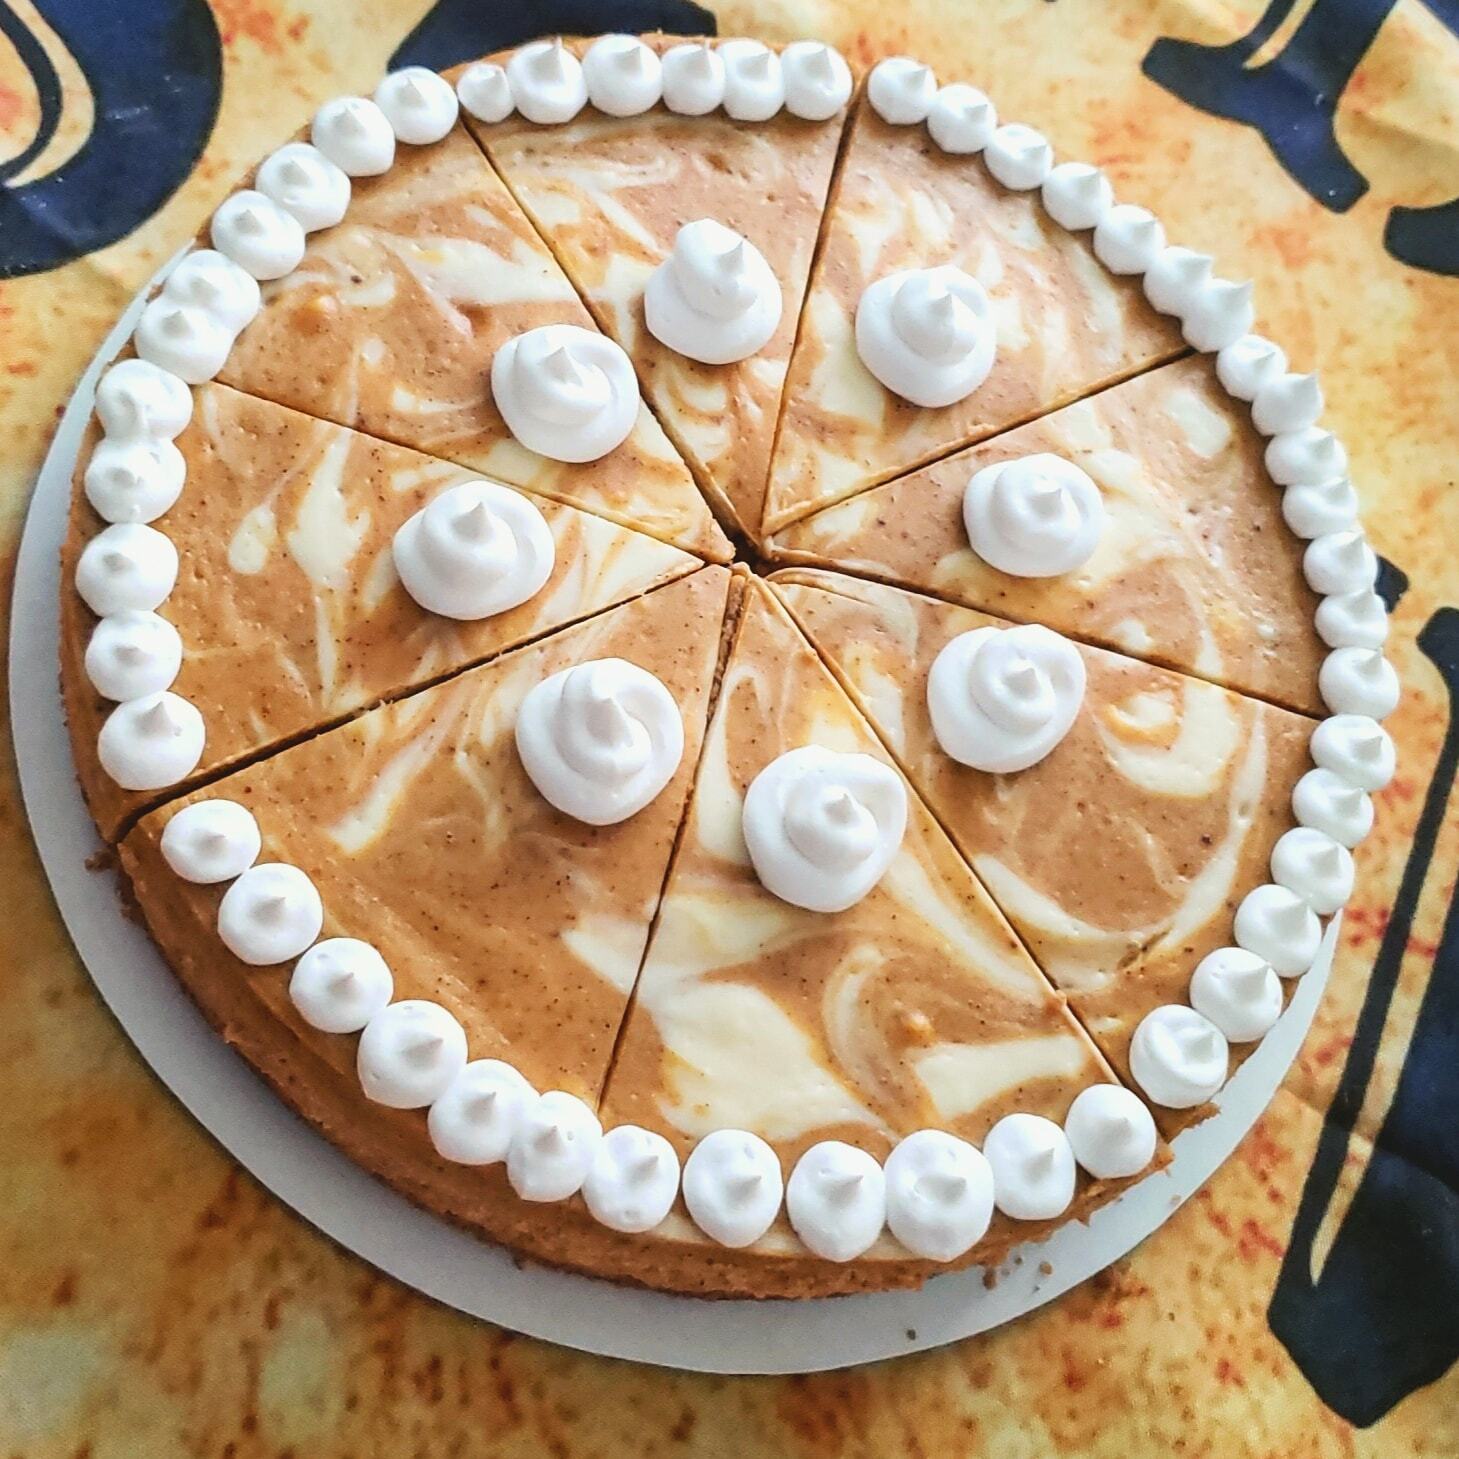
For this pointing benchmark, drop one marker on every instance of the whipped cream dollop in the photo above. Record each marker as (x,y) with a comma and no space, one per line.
(961,120)
(1111,1131)
(1298,458)
(1018,156)
(475,1121)
(184,340)
(475,550)
(1329,803)
(1358,681)
(1213,312)
(1035,516)
(901,90)
(693,76)
(132,653)
(1319,507)
(817,80)
(1247,364)
(137,398)
(633,1179)
(211,841)
(1238,991)
(257,234)
(836,1200)
(1340,562)
(133,479)
(304,182)
(1286,402)
(547,82)
(207,280)
(732,1187)
(485,92)
(754,86)
(927,334)
(270,914)
(1128,239)
(1174,276)
(1220,313)
(1280,928)
(565,392)
(623,76)
(420,106)
(822,827)
(1077,196)
(126,567)
(714,298)
(1178,1057)
(1001,699)
(355,135)
(1314,865)
(340,984)
(410,1054)
(1356,747)
(1033,1167)
(1353,620)
(939,1194)
(151,742)
(600,740)
(552,1151)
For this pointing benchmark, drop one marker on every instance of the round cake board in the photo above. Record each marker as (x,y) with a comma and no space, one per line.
(305,1172)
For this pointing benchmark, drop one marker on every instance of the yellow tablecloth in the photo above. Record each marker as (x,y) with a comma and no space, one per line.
(155,1301)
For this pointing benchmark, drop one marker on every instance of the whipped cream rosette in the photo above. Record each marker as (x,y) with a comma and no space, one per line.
(1001,699)
(600,740)
(476,550)
(714,299)
(823,827)
(927,334)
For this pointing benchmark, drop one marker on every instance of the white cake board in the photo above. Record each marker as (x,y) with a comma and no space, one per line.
(303,1170)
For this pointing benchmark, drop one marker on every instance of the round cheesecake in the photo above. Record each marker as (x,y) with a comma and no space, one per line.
(724,671)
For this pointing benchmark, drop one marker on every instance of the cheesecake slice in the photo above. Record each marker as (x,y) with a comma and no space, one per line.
(426,839)
(1121,856)
(916,1007)
(391,321)
(1064,326)
(291,611)
(1194,570)
(609,194)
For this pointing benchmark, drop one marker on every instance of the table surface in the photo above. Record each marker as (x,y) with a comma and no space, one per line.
(155,1300)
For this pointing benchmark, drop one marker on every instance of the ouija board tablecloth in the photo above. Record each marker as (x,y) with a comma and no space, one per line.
(155,1300)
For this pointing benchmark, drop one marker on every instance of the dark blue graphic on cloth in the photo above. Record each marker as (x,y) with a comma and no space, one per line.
(156,72)
(1292,100)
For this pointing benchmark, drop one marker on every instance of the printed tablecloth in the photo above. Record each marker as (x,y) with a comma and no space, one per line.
(155,1301)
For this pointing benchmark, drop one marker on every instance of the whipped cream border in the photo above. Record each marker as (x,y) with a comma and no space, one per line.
(1215,317)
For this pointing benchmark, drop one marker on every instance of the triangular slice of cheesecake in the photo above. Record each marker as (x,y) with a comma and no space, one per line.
(391,321)
(610,194)
(916,1007)
(425,838)
(291,611)
(1064,326)
(1121,856)
(1194,569)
